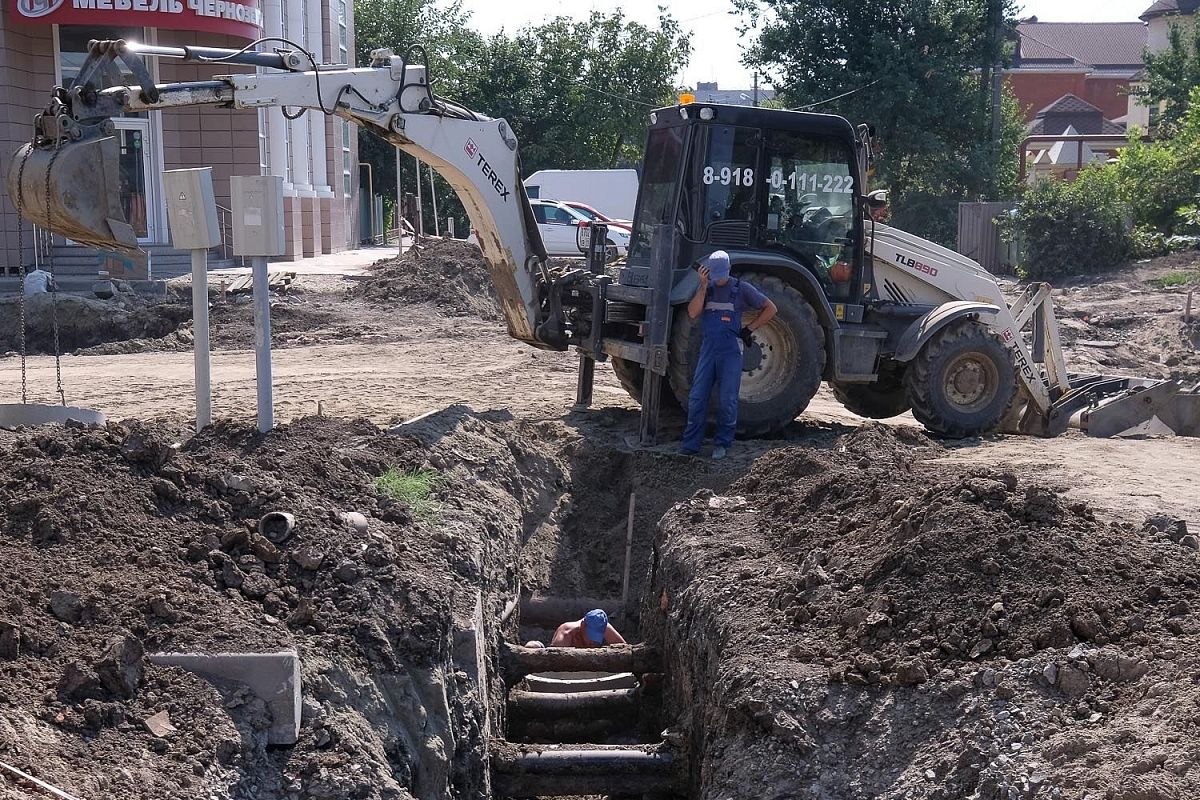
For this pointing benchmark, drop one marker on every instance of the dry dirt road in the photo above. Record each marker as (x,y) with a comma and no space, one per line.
(439,360)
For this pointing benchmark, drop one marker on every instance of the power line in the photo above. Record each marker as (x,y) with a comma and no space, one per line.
(838,97)
(702,16)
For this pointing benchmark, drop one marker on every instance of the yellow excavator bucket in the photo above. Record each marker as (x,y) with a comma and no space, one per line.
(73,189)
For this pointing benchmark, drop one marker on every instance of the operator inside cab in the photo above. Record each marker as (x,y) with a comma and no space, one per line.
(718,303)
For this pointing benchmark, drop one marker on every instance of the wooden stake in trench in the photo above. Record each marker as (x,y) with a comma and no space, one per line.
(1187,311)
(628,557)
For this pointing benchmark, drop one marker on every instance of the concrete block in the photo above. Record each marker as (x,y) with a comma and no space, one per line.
(273,677)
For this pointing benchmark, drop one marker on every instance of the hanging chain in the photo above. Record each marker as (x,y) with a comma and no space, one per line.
(62,396)
(21,264)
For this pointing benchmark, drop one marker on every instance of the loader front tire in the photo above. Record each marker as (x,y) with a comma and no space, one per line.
(780,375)
(963,381)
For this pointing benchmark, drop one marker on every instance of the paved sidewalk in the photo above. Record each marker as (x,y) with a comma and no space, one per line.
(347,262)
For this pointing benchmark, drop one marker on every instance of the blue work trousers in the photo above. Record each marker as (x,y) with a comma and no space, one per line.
(721,365)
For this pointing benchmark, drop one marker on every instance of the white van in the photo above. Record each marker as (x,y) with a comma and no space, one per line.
(612,192)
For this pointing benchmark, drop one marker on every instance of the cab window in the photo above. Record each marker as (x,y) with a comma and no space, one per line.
(811,197)
(728,173)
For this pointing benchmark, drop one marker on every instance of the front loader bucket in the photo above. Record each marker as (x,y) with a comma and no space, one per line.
(74,191)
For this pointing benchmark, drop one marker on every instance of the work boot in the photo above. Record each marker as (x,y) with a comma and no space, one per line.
(719,453)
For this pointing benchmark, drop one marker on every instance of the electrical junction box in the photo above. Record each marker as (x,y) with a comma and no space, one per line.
(257,202)
(191,209)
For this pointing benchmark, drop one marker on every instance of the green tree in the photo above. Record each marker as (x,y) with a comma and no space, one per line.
(1172,74)
(577,93)
(910,68)
(452,46)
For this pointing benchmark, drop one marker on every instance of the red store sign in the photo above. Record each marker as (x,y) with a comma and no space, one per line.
(235,17)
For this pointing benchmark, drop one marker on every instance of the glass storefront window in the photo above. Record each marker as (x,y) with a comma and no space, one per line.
(72,47)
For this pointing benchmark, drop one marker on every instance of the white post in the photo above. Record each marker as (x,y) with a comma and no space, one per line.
(437,223)
(192,214)
(258,232)
(262,342)
(399,207)
(202,356)
(420,205)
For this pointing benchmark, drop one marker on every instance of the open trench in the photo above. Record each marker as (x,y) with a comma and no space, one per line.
(578,722)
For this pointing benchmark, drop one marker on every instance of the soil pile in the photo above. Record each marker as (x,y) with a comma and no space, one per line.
(119,542)
(858,624)
(446,272)
(1132,322)
(295,321)
(84,321)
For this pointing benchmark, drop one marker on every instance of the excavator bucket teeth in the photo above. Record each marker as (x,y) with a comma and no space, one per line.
(74,190)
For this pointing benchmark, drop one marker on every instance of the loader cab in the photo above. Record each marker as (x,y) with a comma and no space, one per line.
(783,186)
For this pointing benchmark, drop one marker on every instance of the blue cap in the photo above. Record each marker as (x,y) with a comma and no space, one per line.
(718,264)
(595,625)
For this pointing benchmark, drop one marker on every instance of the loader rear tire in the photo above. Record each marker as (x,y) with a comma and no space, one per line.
(963,381)
(879,400)
(782,373)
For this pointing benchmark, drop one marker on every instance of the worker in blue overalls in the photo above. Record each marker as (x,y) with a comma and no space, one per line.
(719,302)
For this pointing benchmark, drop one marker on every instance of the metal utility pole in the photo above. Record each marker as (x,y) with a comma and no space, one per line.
(437,224)
(420,220)
(399,208)
(756,90)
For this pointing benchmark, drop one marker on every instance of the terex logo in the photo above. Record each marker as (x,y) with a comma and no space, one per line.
(489,173)
(913,264)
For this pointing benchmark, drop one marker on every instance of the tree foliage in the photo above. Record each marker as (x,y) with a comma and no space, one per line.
(910,68)
(1172,74)
(1145,204)
(575,92)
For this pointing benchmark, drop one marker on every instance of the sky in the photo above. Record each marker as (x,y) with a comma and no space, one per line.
(716,50)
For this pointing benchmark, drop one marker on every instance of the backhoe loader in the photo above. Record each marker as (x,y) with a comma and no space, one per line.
(892,322)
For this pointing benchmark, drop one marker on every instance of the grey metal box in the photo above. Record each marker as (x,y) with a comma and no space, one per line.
(191,209)
(257,202)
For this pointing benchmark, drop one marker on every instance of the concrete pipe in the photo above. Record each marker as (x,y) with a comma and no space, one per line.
(605,704)
(617,770)
(563,682)
(522,661)
(276,525)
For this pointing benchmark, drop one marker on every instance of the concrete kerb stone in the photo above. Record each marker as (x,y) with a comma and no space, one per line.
(273,677)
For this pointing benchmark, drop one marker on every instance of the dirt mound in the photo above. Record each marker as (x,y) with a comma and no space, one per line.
(85,322)
(1131,322)
(295,321)
(856,623)
(446,272)
(118,542)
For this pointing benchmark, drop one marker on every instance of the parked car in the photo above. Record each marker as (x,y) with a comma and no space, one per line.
(559,224)
(596,216)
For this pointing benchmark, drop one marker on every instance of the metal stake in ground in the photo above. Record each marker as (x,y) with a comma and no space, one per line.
(192,214)
(258,232)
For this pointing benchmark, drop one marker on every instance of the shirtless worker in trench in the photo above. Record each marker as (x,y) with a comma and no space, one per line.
(593,630)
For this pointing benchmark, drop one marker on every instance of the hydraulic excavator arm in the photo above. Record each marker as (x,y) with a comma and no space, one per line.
(66,178)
